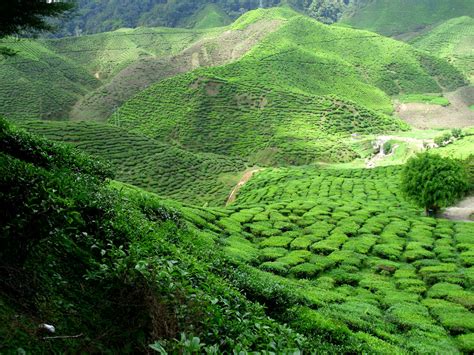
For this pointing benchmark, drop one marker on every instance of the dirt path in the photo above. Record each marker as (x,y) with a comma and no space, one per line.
(247,176)
(379,142)
(462,211)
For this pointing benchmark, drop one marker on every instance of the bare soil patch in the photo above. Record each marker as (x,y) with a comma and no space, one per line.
(456,115)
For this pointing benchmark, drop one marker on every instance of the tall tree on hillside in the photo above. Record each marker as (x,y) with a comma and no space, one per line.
(20,16)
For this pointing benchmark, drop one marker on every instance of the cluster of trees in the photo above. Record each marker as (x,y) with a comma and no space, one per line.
(94,16)
(327,11)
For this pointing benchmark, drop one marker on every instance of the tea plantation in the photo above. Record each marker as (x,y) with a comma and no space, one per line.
(352,260)
(240,189)
(223,117)
(396,17)
(144,162)
(452,40)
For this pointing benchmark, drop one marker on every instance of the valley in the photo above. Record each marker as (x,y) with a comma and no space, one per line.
(237,181)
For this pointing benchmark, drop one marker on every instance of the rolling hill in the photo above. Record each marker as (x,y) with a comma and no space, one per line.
(453,40)
(274,105)
(39,83)
(400,17)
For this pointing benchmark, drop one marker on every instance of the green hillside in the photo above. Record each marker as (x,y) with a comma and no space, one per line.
(165,169)
(37,82)
(46,78)
(293,97)
(209,114)
(454,41)
(306,56)
(396,17)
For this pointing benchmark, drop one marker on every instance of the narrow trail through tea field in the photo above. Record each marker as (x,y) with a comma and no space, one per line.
(247,176)
(462,211)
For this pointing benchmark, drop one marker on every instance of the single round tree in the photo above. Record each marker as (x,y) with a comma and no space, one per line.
(434,182)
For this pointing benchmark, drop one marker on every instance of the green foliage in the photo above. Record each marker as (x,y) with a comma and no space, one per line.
(411,16)
(452,41)
(165,169)
(435,99)
(434,182)
(19,16)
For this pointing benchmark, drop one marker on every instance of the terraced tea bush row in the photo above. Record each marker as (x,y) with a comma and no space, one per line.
(349,257)
(38,83)
(162,168)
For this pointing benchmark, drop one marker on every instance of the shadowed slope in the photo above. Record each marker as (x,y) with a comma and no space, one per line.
(162,168)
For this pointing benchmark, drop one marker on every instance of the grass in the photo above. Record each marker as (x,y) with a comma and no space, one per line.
(436,99)
(165,169)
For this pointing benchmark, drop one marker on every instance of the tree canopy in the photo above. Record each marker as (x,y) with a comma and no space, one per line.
(19,16)
(434,182)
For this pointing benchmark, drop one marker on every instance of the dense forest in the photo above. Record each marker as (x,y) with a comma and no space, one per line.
(93,16)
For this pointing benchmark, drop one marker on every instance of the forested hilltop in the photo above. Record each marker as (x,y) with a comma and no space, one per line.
(94,16)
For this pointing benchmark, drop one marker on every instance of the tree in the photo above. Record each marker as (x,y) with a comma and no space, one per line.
(434,182)
(20,16)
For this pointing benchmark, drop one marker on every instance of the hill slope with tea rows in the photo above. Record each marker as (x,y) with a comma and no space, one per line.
(292,97)
(353,259)
(165,169)
(453,41)
(395,17)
